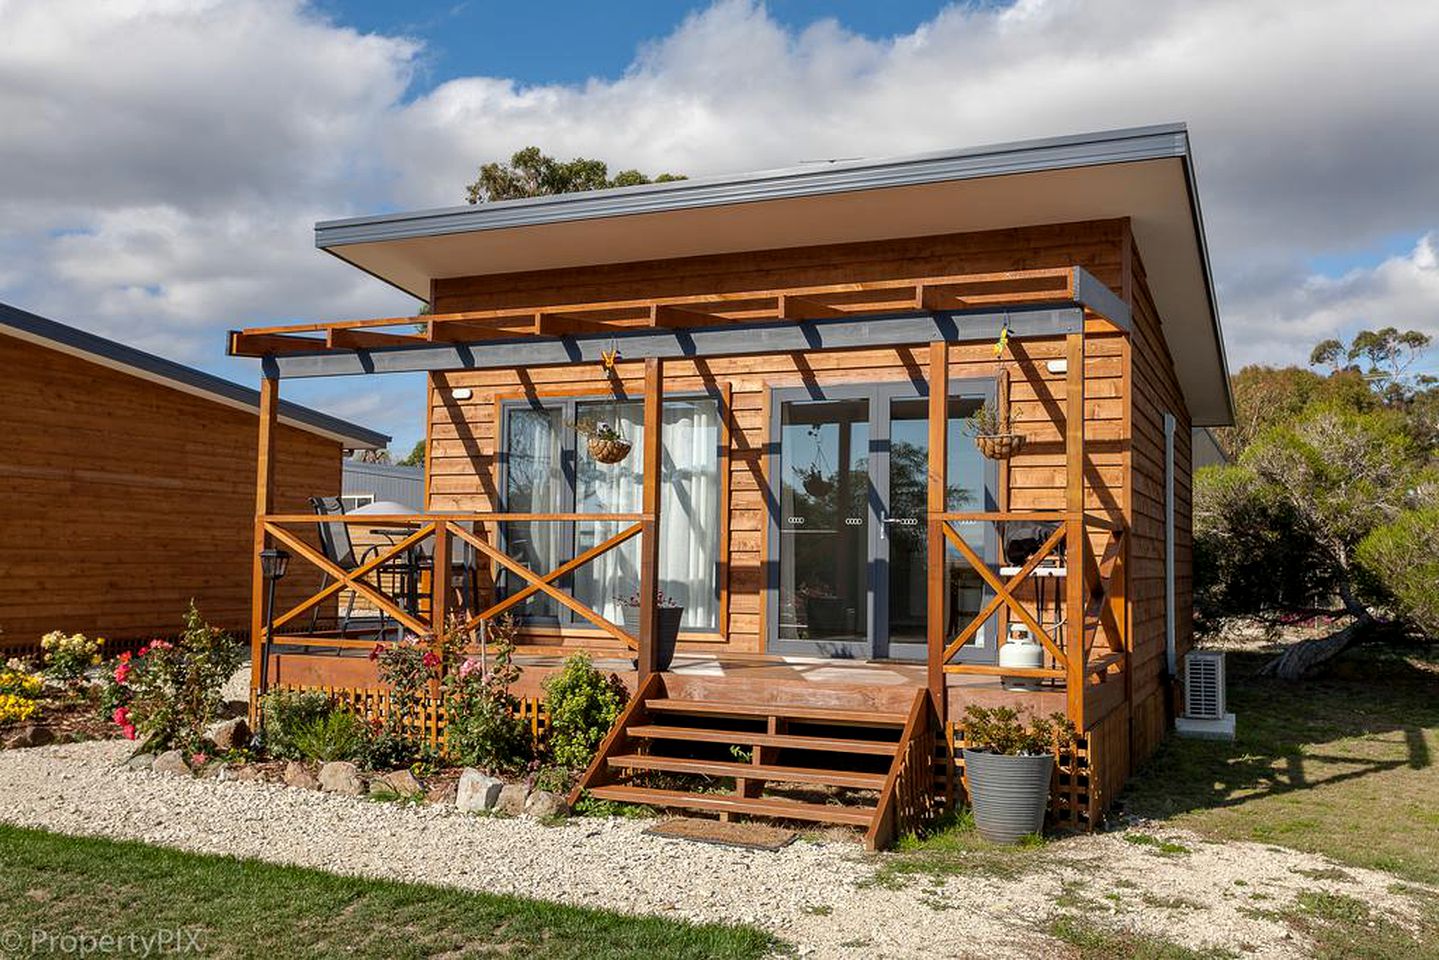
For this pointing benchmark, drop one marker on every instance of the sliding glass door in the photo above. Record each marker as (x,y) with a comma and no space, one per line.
(547,468)
(849,550)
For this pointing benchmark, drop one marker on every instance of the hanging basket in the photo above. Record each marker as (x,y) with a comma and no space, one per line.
(999,446)
(609,449)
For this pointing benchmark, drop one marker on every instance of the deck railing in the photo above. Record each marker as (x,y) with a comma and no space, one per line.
(1093,598)
(436,609)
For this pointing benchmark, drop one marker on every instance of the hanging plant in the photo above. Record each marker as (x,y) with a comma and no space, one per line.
(605,441)
(990,426)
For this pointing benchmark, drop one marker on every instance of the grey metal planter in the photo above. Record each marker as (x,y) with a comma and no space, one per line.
(1007,794)
(669,632)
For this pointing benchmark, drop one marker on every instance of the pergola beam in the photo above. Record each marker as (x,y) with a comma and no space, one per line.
(734,339)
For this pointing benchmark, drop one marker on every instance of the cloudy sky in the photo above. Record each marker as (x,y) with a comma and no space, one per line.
(162,163)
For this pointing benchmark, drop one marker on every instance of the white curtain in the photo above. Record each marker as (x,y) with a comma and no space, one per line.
(535,484)
(689,510)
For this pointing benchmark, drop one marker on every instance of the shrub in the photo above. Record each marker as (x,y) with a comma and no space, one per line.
(169,692)
(68,656)
(336,735)
(1399,563)
(1004,730)
(583,705)
(286,713)
(408,667)
(482,725)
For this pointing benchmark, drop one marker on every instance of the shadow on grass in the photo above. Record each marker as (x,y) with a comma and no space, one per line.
(1310,757)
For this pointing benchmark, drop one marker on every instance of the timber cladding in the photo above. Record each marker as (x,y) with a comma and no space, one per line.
(462,469)
(125,498)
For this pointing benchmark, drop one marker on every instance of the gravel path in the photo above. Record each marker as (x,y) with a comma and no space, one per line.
(818,895)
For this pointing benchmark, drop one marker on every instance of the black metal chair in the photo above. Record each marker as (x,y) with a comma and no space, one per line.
(337,547)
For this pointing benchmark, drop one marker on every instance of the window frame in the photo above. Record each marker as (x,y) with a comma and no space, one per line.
(567,402)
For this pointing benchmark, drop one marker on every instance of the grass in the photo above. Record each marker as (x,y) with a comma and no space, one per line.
(245,908)
(1164,848)
(954,848)
(1341,765)
(1341,927)
(1093,941)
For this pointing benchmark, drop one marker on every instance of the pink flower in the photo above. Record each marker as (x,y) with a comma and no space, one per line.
(129,731)
(121,716)
(468,667)
(122,672)
(199,760)
(144,649)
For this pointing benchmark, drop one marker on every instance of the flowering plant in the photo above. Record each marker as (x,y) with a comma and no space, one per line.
(167,693)
(68,656)
(14,708)
(482,723)
(408,667)
(662,599)
(16,680)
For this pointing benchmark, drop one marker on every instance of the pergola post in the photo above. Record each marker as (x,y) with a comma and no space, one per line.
(938,482)
(1076,538)
(652,459)
(264,505)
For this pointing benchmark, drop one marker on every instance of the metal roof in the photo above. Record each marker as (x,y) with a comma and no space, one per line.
(36,329)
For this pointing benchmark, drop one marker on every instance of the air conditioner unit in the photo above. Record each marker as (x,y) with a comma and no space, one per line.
(1204,707)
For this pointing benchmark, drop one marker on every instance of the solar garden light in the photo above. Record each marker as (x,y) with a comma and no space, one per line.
(273,564)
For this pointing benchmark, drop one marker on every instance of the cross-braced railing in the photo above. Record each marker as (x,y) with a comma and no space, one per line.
(427,609)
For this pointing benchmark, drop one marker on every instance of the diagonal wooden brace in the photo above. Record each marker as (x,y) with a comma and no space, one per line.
(375,596)
(1002,592)
(998,600)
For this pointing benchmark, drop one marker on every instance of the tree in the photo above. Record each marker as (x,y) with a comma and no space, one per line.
(1343,472)
(531,173)
(416,456)
(1399,563)
(1388,359)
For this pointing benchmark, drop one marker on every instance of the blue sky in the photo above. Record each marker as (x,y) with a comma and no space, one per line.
(569,42)
(163,165)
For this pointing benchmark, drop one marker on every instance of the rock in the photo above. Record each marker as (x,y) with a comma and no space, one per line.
(298,775)
(544,805)
(214,771)
(228,735)
(171,762)
(30,735)
(245,771)
(342,777)
(402,782)
(443,792)
(141,761)
(476,792)
(512,799)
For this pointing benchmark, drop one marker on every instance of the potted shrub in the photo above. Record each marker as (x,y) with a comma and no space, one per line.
(1008,764)
(992,433)
(671,613)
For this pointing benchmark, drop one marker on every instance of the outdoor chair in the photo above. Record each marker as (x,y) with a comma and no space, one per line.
(338,548)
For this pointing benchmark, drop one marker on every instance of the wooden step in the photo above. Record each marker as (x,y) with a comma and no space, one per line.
(820,714)
(728,803)
(753,771)
(784,741)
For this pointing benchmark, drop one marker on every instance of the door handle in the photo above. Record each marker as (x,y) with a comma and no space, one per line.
(885,520)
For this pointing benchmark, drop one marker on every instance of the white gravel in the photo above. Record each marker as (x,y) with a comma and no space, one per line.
(817,895)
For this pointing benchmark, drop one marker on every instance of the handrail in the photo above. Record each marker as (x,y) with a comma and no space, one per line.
(381,518)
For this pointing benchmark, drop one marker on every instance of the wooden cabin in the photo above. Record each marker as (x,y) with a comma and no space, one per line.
(793,357)
(128,486)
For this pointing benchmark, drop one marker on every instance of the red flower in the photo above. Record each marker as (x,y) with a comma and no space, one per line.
(129,731)
(125,657)
(375,653)
(121,716)
(431,659)
(144,649)
(122,672)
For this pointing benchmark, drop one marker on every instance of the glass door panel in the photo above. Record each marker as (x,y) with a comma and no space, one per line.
(534,483)
(904,537)
(824,493)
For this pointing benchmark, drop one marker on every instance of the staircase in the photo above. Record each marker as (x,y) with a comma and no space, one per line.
(780,750)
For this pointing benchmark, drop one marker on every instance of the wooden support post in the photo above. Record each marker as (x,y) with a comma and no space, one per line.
(264,504)
(936,503)
(1077,539)
(440,582)
(653,464)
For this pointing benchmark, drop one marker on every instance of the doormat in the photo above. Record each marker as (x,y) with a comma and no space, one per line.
(748,836)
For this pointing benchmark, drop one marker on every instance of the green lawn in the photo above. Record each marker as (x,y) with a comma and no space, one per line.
(1343,765)
(245,908)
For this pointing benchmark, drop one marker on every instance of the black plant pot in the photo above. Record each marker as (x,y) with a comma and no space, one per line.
(670,618)
(1007,794)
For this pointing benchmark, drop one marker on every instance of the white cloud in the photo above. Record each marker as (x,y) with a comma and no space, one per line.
(1287,315)
(162,161)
